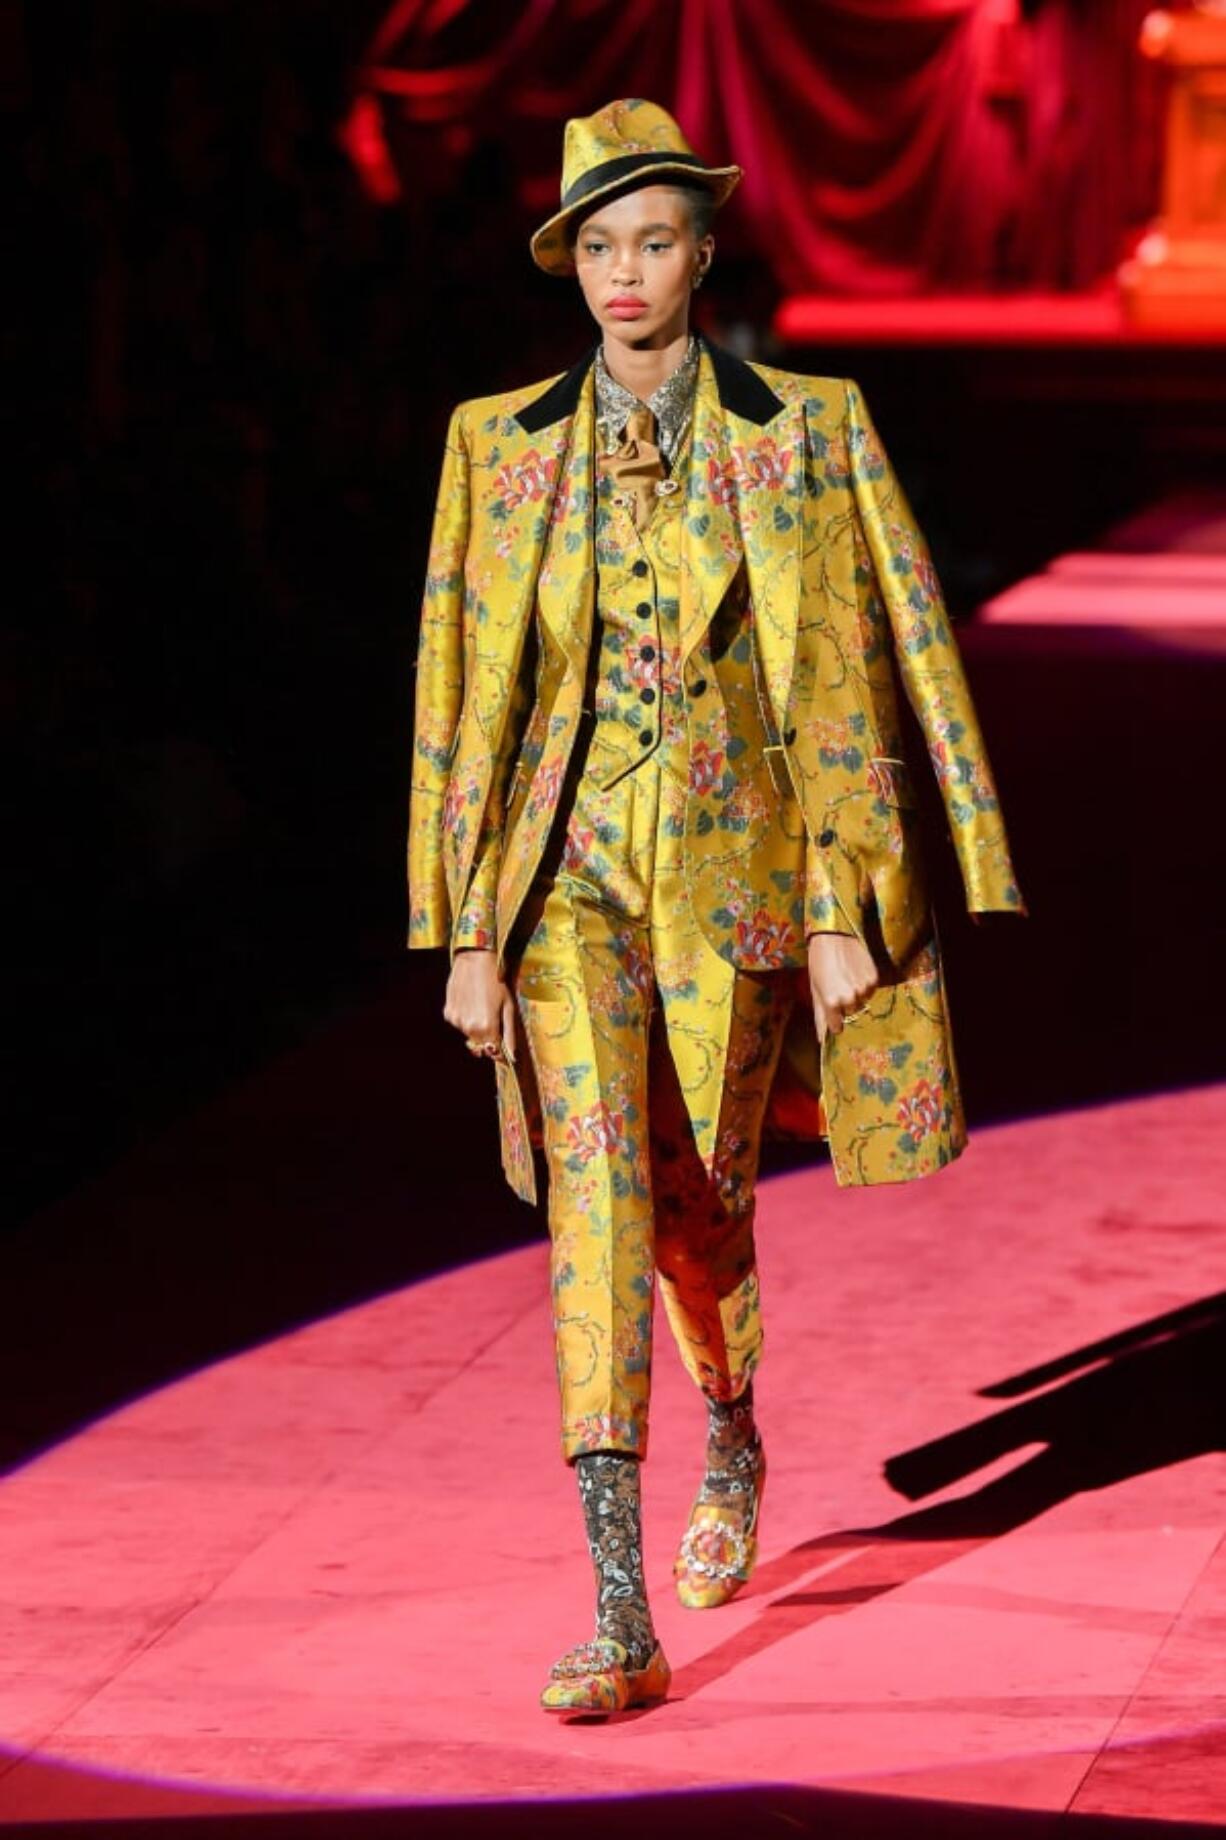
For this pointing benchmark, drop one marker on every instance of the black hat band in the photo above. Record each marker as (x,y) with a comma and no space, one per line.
(624,167)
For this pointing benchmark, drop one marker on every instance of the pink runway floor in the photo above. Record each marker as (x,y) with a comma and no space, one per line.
(335,1568)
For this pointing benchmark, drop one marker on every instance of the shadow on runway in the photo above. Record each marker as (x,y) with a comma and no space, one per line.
(1152,1397)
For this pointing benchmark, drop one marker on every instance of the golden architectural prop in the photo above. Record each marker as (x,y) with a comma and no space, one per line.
(1177,277)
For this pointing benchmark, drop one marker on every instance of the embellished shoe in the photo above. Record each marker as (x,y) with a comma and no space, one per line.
(594,1678)
(719,1548)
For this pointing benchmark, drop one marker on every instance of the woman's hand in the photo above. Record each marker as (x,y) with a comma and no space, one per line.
(842,976)
(479,1004)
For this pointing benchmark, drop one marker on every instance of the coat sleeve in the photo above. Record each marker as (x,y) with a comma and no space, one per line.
(931,668)
(476,919)
(829,907)
(440,694)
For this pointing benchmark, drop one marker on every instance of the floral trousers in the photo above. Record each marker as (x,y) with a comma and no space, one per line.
(654,1060)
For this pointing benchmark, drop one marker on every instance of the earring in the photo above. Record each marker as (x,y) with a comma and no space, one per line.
(697,280)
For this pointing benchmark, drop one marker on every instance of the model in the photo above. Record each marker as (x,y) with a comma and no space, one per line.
(658,776)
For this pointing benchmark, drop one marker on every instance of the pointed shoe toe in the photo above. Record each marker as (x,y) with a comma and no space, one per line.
(595,1679)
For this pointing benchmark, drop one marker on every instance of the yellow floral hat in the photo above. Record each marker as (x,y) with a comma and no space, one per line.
(603,152)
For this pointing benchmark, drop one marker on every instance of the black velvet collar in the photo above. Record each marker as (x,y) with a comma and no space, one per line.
(740,389)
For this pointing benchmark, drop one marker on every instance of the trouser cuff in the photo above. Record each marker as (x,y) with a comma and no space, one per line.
(603,1431)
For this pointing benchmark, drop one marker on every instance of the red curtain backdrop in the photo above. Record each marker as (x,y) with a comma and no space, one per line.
(890,146)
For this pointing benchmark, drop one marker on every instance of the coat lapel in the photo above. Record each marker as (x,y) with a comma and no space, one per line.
(768,466)
(744,498)
(567,578)
(711,547)
(521,495)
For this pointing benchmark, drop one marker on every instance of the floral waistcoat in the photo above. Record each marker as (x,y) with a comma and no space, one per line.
(636,691)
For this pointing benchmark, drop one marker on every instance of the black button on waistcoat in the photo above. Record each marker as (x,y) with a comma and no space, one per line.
(698,687)
(826,839)
(647,653)
(639,568)
(643,609)
(646,738)
(648,695)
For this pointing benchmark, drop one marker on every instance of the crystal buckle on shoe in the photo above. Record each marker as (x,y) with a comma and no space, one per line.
(598,1656)
(705,1534)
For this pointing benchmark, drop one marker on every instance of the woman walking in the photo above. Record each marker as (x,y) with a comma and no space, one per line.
(658,786)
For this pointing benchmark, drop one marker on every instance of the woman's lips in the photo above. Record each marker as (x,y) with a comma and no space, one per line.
(627,309)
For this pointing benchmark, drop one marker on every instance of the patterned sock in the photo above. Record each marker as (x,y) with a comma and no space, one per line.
(610,1495)
(733,1451)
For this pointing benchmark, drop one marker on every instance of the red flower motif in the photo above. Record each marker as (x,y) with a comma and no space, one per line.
(628,1346)
(670,672)
(722,480)
(764,465)
(641,671)
(525,481)
(580,842)
(837,465)
(926,576)
(599,1129)
(454,800)
(866,631)
(706,766)
(769,942)
(546,787)
(919,1111)
(634,961)
(831,733)
(904,544)
(870,452)
(516,1145)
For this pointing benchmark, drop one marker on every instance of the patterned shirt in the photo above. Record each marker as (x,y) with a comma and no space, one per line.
(672,404)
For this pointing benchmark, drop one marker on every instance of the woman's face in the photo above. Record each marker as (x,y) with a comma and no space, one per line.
(636,259)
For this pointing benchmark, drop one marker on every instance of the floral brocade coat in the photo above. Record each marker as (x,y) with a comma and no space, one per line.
(788,483)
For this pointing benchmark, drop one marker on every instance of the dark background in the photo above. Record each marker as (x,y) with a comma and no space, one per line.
(232,374)
(232,370)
